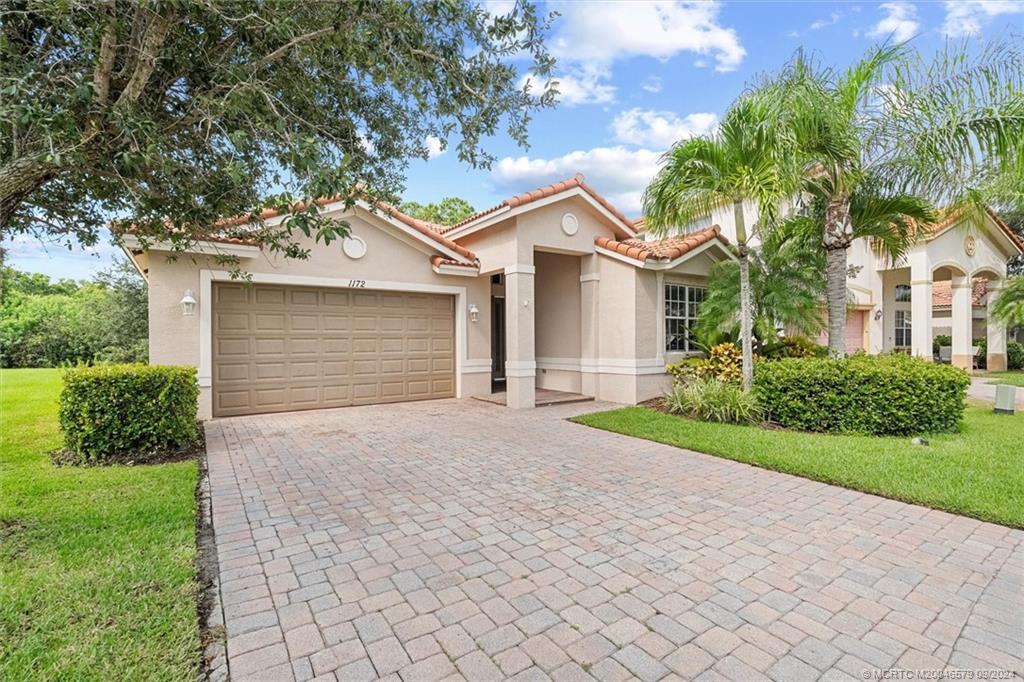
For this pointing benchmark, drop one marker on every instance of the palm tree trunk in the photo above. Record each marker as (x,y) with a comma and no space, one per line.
(836,240)
(746,318)
(835,276)
(746,304)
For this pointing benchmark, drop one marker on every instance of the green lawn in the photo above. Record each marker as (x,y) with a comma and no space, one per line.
(977,472)
(1014,378)
(97,565)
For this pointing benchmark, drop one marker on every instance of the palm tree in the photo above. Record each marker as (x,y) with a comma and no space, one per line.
(943,130)
(1009,306)
(744,160)
(787,282)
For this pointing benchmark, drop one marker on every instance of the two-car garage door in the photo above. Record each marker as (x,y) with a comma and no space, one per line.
(278,348)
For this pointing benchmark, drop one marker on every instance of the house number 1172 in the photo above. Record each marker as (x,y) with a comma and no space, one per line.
(357,283)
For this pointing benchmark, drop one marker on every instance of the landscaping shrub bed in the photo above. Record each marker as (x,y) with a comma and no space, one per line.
(115,412)
(872,394)
(712,400)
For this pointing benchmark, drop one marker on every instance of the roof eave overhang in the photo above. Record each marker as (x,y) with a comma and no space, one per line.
(456,270)
(663,264)
(201,247)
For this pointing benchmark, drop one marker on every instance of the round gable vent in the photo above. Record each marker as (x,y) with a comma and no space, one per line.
(570,225)
(354,247)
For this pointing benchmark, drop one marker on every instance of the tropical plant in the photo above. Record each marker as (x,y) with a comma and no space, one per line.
(724,362)
(793,347)
(173,115)
(786,278)
(1009,304)
(744,160)
(448,211)
(713,400)
(893,127)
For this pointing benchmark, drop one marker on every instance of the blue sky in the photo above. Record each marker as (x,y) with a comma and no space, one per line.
(635,76)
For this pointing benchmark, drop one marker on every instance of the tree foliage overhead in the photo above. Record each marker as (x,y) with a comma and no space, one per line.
(448,211)
(174,114)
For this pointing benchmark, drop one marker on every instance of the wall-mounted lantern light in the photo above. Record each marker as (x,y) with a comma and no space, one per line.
(878,315)
(474,312)
(188,303)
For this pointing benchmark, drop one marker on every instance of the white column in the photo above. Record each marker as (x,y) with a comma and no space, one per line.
(961,321)
(920,305)
(590,280)
(996,332)
(520,358)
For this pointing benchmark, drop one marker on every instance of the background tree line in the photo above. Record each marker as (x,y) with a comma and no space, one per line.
(47,323)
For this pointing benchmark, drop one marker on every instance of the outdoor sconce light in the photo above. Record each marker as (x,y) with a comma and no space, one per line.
(878,315)
(188,304)
(474,312)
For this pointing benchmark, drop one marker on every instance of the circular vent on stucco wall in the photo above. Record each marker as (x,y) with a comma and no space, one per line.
(354,247)
(570,225)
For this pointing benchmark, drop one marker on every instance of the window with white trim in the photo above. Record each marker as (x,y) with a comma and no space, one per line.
(903,293)
(682,306)
(902,335)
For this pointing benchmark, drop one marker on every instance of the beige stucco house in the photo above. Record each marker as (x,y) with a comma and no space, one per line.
(551,289)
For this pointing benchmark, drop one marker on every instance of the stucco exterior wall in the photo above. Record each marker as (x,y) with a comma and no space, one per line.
(390,257)
(558,321)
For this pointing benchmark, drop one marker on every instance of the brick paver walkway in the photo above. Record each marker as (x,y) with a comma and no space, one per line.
(456,538)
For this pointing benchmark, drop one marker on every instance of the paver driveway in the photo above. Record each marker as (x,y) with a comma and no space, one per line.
(446,538)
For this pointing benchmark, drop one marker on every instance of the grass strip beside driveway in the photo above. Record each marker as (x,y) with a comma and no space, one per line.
(1014,378)
(976,472)
(98,563)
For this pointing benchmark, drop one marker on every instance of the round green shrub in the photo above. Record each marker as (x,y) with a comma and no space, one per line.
(872,394)
(112,412)
(1014,355)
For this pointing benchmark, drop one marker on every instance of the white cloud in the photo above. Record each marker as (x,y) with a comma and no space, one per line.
(587,41)
(660,129)
(661,29)
(434,147)
(619,173)
(899,24)
(585,88)
(822,23)
(651,84)
(966,17)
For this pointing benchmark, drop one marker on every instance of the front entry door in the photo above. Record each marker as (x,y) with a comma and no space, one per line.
(497,344)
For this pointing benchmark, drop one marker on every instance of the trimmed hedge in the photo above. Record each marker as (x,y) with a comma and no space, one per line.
(110,412)
(872,394)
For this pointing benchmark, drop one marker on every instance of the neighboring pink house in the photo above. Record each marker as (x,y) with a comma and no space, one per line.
(548,290)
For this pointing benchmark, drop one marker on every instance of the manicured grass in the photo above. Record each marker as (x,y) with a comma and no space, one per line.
(97,565)
(977,472)
(1014,378)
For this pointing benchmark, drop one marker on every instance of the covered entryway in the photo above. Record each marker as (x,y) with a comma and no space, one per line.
(279,348)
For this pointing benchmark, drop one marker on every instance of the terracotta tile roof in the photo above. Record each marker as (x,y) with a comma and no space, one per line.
(427,229)
(437,261)
(118,229)
(666,249)
(952,217)
(542,193)
(942,292)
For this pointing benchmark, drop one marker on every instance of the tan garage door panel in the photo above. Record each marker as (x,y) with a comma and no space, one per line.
(278,348)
